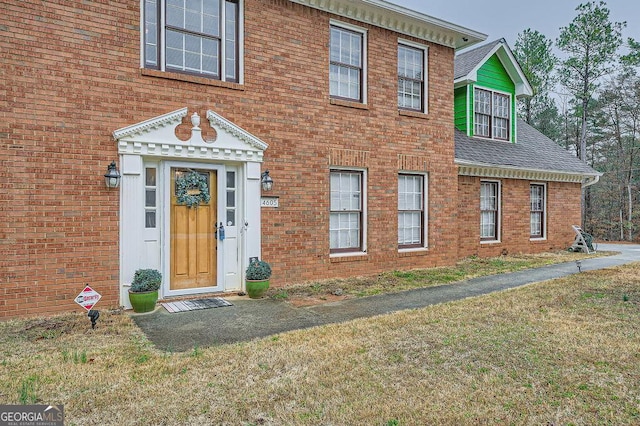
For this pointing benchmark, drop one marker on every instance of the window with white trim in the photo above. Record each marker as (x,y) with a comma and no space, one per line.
(151,197)
(346,63)
(231,198)
(489,210)
(198,37)
(538,206)
(346,217)
(491,114)
(411,78)
(411,210)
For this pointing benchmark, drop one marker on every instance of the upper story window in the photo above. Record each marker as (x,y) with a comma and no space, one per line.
(347,59)
(411,78)
(491,114)
(193,36)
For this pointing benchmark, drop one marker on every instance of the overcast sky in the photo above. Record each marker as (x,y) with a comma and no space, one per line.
(507,18)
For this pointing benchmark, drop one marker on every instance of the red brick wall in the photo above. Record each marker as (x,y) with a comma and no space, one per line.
(296,236)
(563,206)
(64,94)
(563,210)
(64,82)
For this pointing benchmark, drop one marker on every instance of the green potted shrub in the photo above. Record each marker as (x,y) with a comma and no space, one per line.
(143,293)
(257,278)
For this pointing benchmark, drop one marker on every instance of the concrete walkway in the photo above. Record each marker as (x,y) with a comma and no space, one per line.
(248,319)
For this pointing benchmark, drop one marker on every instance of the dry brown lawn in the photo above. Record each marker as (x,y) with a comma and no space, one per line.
(555,353)
(310,293)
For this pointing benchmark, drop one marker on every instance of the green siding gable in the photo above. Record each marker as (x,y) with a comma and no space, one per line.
(460,108)
(492,76)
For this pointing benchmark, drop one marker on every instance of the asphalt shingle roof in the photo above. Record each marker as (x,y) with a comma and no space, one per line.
(533,151)
(466,61)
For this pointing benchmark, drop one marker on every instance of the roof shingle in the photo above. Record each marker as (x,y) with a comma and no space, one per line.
(466,61)
(533,151)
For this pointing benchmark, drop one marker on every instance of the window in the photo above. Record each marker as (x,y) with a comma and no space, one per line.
(191,36)
(231,198)
(411,215)
(500,116)
(150,203)
(346,69)
(345,223)
(489,210)
(482,112)
(491,114)
(411,78)
(537,211)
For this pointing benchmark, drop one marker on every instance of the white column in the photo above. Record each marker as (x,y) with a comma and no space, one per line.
(253,234)
(131,222)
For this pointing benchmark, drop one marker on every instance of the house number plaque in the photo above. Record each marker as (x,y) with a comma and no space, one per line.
(269,202)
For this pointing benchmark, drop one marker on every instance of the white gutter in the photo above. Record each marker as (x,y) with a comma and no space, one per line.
(469,168)
(591,180)
(399,19)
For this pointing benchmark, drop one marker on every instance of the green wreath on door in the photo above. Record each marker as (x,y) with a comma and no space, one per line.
(192,189)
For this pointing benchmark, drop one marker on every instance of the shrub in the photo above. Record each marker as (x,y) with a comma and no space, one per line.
(146,280)
(258,270)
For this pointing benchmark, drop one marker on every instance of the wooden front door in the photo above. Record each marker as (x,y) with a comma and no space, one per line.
(193,242)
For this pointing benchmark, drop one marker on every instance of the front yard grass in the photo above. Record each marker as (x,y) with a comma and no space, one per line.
(394,281)
(559,352)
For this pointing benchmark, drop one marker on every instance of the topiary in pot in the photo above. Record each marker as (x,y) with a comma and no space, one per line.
(143,293)
(257,277)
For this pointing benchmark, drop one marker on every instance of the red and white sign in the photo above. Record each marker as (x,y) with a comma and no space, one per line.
(88,298)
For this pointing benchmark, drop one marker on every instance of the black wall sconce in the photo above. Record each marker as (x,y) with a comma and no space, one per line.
(267,182)
(112,177)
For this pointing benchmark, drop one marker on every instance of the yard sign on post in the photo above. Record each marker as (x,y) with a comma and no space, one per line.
(88,299)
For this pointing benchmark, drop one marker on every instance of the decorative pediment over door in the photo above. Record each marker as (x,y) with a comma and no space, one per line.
(157,137)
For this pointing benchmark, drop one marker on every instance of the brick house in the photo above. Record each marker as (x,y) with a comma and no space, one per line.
(348,104)
(526,186)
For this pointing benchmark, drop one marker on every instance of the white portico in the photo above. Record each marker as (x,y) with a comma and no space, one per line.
(200,248)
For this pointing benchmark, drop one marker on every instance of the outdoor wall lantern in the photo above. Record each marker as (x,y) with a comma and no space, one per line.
(267,182)
(112,177)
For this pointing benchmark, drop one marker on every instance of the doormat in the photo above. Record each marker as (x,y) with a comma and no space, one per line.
(194,305)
